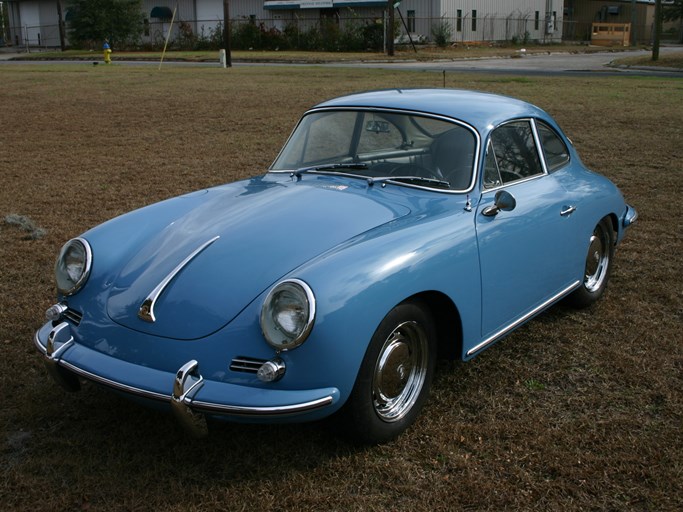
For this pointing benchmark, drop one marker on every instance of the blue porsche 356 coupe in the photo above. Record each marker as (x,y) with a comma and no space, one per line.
(393,227)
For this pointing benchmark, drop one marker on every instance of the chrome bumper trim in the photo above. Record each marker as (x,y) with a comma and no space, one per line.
(630,217)
(185,389)
(113,384)
(282,410)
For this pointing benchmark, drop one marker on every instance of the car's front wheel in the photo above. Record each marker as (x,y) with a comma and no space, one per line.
(598,266)
(395,376)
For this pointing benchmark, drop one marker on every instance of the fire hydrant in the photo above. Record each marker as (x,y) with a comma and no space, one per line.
(107,53)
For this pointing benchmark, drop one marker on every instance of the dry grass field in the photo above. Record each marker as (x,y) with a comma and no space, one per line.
(577,410)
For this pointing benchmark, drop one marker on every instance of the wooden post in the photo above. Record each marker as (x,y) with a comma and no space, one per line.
(390,28)
(634,18)
(226,32)
(62,32)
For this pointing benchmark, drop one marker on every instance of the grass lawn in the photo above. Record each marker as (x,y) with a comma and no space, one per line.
(577,410)
(669,60)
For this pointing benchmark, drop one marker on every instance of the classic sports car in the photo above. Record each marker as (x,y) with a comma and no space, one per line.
(393,227)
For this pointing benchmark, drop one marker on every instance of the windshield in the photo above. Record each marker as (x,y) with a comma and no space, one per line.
(378,144)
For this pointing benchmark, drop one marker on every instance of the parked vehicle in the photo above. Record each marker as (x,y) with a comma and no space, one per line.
(393,227)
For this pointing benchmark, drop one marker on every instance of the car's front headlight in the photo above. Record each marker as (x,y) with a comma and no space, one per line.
(73,266)
(288,314)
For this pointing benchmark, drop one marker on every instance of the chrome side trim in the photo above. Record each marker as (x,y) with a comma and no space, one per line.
(519,321)
(238,410)
(146,311)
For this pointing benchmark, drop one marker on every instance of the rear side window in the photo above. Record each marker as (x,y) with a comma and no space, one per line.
(554,149)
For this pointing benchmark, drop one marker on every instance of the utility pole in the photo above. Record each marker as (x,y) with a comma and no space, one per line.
(658,30)
(390,28)
(62,32)
(634,18)
(226,32)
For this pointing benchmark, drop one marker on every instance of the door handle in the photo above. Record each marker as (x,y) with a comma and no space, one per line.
(567,210)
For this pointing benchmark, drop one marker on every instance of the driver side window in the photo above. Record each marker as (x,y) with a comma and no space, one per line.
(511,155)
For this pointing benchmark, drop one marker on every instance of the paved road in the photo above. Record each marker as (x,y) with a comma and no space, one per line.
(537,64)
(527,64)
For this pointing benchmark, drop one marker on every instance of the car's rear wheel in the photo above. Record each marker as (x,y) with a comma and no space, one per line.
(598,266)
(395,376)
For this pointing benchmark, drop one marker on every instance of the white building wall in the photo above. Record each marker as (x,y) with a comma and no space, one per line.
(29,14)
(426,11)
(49,32)
(210,12)
(498,20)
(209,15)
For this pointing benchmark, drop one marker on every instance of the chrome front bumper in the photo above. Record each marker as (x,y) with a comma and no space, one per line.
(190,396)
(630,216)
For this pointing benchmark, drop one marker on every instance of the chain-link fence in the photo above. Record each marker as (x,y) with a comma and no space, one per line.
(335,33)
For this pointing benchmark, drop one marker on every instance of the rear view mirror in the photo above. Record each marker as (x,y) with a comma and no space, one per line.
(377,126)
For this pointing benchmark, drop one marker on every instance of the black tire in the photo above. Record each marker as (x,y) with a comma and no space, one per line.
(598,266)
(394,378)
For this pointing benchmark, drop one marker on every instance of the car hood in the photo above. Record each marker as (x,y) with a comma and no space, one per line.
(265,229)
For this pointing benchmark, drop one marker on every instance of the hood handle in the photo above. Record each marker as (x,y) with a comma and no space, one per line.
(146,311)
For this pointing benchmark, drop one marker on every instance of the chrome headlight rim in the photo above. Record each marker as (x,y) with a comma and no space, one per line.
(273,335)
(86,266)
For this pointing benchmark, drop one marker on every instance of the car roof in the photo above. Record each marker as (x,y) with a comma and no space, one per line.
(479,109)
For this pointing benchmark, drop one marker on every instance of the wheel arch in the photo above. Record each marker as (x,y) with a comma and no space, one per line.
(614,222)
(447,322)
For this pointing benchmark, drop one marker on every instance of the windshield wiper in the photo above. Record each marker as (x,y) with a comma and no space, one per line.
(328,167)
(417,180)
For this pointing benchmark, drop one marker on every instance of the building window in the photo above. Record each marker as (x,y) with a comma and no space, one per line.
(474,21)
(537,20)
(458,21)
(411,21)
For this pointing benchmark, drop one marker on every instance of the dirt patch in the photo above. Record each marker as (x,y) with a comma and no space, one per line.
(575,411)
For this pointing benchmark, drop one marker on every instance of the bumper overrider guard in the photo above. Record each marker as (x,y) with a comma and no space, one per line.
(191,397)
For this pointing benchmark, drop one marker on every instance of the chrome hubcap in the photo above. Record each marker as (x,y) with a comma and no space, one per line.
(597,260)
(400,371)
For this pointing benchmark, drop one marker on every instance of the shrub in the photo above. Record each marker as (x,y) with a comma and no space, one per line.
(442,33)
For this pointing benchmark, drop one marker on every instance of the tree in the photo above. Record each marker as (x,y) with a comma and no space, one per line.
(93,21)
(674,12)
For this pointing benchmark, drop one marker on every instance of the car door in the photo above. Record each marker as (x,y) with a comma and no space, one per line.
(523,241)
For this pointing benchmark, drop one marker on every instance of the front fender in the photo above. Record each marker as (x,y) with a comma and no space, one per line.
(357,285)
